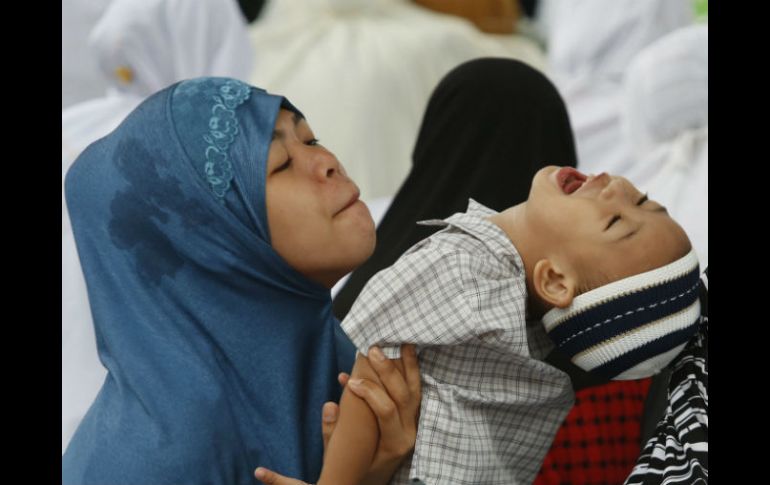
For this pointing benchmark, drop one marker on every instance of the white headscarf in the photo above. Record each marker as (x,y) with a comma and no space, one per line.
(590,45)
(666,89)
(80,78)
(665,122)
(598,38)
(159,42)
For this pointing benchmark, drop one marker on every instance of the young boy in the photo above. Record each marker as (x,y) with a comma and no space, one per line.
(611,275)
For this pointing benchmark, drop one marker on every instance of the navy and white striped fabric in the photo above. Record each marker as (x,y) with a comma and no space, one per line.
(633,327)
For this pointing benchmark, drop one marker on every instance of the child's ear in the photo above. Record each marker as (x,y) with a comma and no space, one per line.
(552,284)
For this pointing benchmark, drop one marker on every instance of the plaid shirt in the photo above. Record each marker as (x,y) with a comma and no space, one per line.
(490,406)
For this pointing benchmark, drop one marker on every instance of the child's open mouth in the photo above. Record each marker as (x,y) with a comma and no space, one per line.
(570,179)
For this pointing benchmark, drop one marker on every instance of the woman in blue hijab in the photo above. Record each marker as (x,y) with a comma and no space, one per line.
(210,226)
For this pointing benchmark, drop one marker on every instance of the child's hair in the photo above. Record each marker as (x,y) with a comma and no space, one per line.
(633,327)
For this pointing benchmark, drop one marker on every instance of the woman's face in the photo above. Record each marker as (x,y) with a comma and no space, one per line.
(317,222)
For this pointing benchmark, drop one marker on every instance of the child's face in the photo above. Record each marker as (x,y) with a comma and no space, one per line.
(601,226)
(317,223)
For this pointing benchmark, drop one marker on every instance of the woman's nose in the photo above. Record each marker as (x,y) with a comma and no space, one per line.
(327,167)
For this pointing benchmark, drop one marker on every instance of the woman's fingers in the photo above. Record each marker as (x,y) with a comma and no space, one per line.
(329,415)
(412,375)
(342,378)
(390,377)
(395,401)
(387,413)
(269,477)
(376,397)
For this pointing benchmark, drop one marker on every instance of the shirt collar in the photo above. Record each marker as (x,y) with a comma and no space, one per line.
(475,221)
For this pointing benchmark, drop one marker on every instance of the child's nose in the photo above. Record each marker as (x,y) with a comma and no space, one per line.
(613,191)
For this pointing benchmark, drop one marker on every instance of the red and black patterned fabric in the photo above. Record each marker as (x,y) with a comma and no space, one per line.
(599,441)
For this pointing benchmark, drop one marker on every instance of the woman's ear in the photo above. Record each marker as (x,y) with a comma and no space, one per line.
(553,285)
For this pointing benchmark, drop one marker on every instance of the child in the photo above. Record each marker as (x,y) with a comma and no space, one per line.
(612,276)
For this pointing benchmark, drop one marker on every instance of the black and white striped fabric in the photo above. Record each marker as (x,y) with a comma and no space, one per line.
(678,451)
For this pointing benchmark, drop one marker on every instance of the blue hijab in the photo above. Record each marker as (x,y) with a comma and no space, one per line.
(219,354)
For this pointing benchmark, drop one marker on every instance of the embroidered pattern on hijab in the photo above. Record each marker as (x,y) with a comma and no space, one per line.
(223,126)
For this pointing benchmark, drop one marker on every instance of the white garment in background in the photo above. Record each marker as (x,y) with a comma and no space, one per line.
(160,42)
(590,45)
(666,89)
(665,124)
(362,72)
(164,41)
(80,78)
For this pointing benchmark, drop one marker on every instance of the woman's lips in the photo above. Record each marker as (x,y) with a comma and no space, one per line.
(353,199)
(569,180)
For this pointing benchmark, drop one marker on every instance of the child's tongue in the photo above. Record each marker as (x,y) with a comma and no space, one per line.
(570,179)
(573,186)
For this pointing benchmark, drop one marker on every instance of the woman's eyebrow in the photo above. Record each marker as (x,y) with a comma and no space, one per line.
(278,133)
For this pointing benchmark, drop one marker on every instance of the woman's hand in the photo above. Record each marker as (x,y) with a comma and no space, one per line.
(395,403)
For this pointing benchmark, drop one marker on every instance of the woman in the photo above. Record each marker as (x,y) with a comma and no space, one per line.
(210,225)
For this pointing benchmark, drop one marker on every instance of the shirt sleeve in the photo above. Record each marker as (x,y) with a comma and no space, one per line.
(428,297)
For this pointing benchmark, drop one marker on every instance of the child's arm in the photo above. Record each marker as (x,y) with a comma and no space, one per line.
(351,448)
(394,397)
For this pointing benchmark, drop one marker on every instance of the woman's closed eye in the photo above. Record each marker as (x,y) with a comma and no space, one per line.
(312,142)
(283,166)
